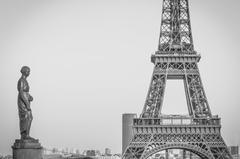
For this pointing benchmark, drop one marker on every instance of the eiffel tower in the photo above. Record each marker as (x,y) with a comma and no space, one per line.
(199,132)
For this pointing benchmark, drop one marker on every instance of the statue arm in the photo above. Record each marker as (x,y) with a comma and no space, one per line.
(30,98)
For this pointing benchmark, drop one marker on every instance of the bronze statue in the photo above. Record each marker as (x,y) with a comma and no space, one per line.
(24,99)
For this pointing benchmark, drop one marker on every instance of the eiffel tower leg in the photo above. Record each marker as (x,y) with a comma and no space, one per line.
(217,146)
(195,92)
(155,95)
(137,146)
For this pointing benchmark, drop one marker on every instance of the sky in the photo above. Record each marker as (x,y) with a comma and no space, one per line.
(90,63)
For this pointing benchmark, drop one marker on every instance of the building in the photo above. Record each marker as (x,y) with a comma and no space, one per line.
(127,133)
(107,152)
(92,153)
(234,150)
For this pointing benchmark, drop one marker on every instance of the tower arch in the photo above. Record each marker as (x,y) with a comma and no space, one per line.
(204,154)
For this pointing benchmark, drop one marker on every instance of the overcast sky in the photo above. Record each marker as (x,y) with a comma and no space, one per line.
(90,62)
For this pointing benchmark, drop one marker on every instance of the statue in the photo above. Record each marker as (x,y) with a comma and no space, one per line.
(26,147)
(24,99)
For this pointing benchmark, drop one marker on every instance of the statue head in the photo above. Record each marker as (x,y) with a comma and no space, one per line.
(25,70)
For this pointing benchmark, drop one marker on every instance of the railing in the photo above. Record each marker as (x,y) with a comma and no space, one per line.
(176,120)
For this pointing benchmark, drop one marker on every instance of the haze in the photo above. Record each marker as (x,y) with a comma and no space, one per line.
(90,62)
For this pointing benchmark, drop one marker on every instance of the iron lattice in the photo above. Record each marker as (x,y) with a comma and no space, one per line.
(199,132)
(199,136)
(175,32)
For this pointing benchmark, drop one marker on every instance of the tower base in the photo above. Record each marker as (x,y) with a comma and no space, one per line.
(27,149)
(201,137)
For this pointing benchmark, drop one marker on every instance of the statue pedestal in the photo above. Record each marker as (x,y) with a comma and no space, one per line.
(27,149)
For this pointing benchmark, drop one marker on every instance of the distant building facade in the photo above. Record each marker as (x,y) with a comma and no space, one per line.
(107,152)
(127,132)
(234,150)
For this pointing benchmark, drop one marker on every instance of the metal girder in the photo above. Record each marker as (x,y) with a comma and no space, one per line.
(204,141)
(175,31)
(188,71)
(198,132)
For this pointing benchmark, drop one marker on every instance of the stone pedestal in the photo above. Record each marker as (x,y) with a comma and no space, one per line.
(27,149)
